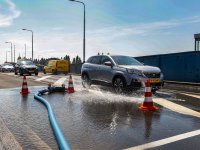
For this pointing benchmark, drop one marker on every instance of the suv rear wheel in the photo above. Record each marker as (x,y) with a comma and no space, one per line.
(119,85)
(86,81)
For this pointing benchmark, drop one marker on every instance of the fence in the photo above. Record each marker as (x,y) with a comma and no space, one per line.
(184,67)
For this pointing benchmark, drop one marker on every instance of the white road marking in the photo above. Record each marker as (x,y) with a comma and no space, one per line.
(60,81)
(192,95)
(175,107)
(39,79)
(166,140)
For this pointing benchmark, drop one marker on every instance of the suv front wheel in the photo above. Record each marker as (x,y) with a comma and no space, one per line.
(86,81)
(119,85)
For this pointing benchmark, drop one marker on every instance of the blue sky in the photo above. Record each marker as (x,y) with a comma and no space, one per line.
(131,27)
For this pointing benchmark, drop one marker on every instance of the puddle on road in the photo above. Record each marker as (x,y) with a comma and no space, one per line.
(91,119)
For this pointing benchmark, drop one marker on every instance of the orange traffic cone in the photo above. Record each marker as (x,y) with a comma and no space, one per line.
(24,87)
(148,102)
(70,85)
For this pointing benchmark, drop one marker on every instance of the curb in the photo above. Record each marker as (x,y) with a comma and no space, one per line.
(183,83)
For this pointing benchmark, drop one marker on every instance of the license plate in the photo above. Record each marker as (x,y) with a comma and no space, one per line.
(31,71)
(154,80)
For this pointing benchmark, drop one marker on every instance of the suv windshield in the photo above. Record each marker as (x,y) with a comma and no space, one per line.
(27,63)
(7,64)
(125,60)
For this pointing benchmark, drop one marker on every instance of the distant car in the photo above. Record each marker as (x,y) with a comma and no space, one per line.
(7,68)
(1,66)
(57,66)
(120,72)
(25,66)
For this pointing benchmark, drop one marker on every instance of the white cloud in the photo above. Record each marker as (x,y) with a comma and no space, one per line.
(6,20)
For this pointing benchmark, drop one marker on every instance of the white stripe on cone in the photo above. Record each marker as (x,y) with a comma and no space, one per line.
(148,99)
(70,85)
(24,87)
(24,80)
(147,89)
(70,79)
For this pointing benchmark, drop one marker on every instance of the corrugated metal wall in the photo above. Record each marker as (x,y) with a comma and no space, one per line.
(184,67)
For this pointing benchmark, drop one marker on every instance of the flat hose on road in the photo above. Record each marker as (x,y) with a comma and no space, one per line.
(62,142)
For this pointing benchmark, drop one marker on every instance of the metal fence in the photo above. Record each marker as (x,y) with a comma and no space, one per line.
(184,67)
(76,68)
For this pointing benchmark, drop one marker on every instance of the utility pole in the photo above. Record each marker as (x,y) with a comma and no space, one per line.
(25,50)
(14,53)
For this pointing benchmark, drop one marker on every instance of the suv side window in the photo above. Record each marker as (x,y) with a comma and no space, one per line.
(96,60)
(104,59)
(89,60)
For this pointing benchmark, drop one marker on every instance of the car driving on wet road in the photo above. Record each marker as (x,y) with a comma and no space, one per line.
(7,68)
(25,66)
(121,72)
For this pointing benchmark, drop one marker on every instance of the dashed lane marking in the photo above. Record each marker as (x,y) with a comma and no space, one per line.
(39,79)
(175,107)
(166,140)
(60,81)
(192,95)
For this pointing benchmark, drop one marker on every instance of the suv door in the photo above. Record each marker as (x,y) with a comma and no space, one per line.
(94,68)
(17,67)
(106,72)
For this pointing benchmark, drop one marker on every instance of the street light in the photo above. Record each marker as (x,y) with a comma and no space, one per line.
(25,50)
(32,41)
(83,30)
(6,55)
(22,55)
(11,49)
(38,58)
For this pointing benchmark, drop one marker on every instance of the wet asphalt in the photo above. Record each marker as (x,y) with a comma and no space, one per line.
(98,119)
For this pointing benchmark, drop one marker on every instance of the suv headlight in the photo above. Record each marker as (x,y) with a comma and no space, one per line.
(139,73)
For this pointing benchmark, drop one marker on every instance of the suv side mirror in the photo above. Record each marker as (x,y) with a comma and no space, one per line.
(108,63)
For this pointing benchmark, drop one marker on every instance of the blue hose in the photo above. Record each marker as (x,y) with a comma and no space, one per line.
(62,142)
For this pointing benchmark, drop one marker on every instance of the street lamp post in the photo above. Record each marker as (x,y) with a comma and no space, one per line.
(11,50)
(83,30)
(22,55)
(38,58)
(25,50)
(32,41)
(14,53)
(6,55)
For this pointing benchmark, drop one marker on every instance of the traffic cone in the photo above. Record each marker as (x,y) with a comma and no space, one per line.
(148,102)
(70,85)
(24,87)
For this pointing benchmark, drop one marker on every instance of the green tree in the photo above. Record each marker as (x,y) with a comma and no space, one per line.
(74,61)
(19,58)
(98,53)
(67,57)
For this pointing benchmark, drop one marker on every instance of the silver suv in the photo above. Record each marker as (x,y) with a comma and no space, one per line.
(120,72)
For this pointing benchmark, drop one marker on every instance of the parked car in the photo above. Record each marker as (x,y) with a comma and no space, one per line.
(120,72)
(7,68)
(25,66)
(1,67)
(57,66)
